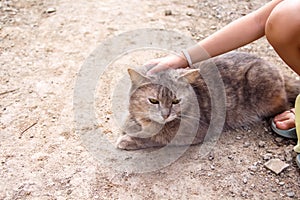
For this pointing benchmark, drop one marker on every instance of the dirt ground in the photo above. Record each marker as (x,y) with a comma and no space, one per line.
(43,45)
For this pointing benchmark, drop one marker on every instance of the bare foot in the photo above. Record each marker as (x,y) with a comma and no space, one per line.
(285,120)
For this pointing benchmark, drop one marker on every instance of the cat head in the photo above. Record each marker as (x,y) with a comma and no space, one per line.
(161,97)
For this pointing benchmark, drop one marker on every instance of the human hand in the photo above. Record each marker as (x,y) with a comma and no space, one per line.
(164,63)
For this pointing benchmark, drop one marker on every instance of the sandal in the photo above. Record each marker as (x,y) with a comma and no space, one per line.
(289,133)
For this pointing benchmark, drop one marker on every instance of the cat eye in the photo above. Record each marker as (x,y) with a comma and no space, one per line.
(176,101)
(153,101)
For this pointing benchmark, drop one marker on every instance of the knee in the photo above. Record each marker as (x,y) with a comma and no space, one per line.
(283,24)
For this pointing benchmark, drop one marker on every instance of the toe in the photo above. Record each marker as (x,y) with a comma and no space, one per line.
(283,116)
(285,120)
(285,124)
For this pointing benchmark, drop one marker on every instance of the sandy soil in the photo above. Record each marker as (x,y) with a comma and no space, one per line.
(43,45)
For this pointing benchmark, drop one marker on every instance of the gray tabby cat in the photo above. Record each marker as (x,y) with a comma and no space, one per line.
(175,106)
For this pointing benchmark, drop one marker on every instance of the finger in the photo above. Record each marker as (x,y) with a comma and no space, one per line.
(150,66)
(151,63)
(158,68)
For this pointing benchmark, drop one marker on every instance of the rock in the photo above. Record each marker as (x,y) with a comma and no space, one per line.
(261,144)
(290,194)
(189,14)
(281,183)
(246,144)
(245,180)
(276,165)
(253,168)
(244,194)
(50,10)
(274,190)
(267,156)
(211,156)
(168,12)
(278,139)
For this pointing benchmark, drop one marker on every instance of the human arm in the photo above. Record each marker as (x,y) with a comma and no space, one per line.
(236,34)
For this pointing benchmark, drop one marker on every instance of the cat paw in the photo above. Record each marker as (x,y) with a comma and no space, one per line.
(127,143)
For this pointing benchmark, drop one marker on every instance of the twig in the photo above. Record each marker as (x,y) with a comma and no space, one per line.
(6,92)
(29,127)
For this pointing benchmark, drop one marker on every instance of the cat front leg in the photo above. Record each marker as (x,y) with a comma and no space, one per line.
(127,142)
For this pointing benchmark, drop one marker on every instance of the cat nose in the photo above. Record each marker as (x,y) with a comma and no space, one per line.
(165,116)
(165,113)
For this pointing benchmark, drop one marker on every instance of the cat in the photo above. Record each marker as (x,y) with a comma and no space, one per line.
(175,106)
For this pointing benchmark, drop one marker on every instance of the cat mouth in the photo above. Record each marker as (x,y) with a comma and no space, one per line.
(163,120)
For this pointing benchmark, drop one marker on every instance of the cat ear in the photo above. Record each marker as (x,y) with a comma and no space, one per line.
(137,78)
(190,76)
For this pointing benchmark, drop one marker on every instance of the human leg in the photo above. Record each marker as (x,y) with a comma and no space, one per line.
(283,33)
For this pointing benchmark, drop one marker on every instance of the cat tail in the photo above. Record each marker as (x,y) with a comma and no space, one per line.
(292,87)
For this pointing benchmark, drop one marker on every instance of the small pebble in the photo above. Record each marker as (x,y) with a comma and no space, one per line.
(261,144)
(245,180)
(267,156)
(274,190)
(290,194)
(278,139)
(281,183)
(189,14)
(253,168)
(246,144)
(244,194)
(238,137)
(211,157)
(168,12)
(50,10)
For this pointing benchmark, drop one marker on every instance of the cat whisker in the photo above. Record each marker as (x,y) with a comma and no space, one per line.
(187,121)
(189,116)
